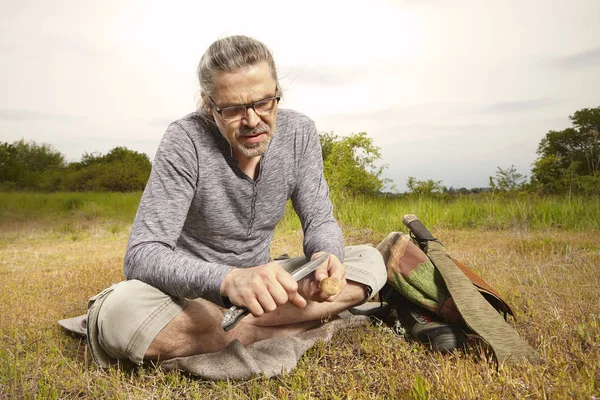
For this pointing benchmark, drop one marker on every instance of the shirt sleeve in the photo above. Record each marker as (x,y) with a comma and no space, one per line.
(151,255)
(311,199)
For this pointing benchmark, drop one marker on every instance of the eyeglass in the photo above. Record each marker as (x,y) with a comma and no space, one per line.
(234,113)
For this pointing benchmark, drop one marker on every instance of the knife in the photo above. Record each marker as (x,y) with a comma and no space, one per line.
(236,313)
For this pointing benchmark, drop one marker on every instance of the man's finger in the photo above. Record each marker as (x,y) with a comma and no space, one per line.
(278,293)
(298,301)
(288,284)
(336,270)
(322,270)
(286,281)
(255,308)
(266,301)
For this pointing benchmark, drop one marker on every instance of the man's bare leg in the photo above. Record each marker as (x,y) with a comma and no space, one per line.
(197,328)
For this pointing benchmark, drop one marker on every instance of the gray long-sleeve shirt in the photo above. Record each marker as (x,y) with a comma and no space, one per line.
(200,215)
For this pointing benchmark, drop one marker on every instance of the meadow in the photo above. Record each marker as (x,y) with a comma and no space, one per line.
(541,253)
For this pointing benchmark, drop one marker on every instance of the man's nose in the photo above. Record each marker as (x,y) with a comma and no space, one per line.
(251,119)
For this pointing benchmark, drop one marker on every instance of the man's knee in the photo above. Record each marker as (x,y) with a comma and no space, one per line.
(365,265)
(124,321)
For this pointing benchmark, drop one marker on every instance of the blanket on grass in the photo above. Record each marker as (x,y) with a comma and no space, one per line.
(268,357)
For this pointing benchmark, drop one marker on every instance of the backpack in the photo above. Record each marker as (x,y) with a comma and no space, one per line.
(422,272)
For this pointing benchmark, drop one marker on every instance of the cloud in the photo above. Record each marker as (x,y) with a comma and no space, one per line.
(440,115)
(8,114)
(407,112)
(507,107)
(579,60)
(323,76)
(333,77)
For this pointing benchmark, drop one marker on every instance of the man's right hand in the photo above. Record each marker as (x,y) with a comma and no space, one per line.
(261,289)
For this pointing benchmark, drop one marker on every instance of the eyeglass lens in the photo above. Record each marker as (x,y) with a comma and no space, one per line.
(262,107)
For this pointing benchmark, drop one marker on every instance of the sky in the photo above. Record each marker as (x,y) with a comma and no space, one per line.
(449,90)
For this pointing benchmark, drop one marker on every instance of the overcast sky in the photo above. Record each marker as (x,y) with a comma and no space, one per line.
(449,90)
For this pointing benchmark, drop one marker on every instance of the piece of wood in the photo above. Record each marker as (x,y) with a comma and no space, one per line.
(330,286)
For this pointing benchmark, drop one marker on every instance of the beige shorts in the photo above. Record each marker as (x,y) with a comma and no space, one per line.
(124,318)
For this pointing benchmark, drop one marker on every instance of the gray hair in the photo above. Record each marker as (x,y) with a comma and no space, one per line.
(231,54)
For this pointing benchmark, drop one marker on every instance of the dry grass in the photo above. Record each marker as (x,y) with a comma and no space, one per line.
(551,278)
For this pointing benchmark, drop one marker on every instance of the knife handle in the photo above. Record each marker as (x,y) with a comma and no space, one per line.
(421,234)
(233,316)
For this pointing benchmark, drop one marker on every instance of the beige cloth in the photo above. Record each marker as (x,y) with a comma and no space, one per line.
(268,357)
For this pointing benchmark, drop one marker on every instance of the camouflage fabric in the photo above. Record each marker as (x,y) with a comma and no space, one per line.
(412,274)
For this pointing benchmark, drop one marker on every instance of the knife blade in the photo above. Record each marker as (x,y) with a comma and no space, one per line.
(236,313)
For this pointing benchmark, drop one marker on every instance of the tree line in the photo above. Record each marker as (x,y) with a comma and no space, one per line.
(568,162)
(32,166)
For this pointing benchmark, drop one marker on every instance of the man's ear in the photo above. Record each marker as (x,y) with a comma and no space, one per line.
(205,107)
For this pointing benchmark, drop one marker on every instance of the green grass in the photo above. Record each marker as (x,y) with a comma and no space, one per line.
(24,206)
(486,211)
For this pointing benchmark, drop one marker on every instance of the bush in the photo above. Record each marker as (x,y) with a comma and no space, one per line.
(350,164)
(38,167)
(23,164)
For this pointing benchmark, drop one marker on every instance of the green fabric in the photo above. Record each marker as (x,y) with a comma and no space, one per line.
(423,286)
(429,281)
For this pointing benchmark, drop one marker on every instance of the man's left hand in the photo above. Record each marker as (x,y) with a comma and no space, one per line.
(330,268)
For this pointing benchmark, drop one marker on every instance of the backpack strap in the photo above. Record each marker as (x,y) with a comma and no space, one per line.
(477,313)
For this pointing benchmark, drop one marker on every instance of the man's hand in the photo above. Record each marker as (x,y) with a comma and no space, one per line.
(331,268)
(261,289)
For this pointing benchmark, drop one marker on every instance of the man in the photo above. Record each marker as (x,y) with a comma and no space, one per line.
(200,240)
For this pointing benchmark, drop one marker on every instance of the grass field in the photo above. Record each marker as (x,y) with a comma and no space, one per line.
(542,254)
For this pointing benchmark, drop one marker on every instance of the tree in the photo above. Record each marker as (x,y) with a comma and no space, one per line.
(587,121)
(327,141)
(27,165)
(569,155)
(350,164)
(426,187)
(22,164)
(508,179)
(120,170)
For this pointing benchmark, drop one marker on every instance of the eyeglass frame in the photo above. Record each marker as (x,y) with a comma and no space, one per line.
(246,107)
